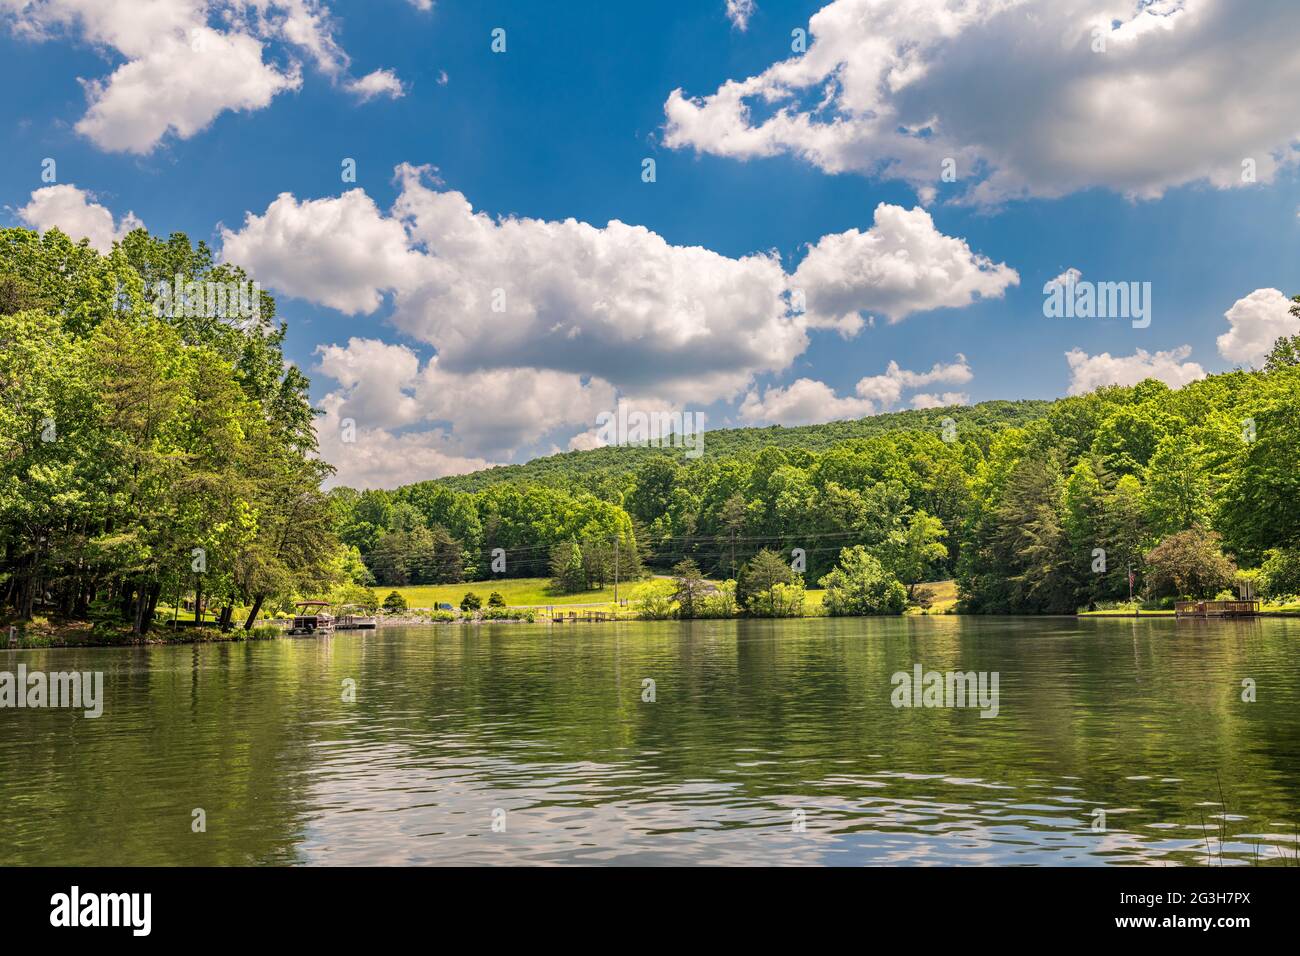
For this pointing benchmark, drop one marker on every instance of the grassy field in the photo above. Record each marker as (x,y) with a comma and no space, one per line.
(518,592)
(535,592)
(942,596)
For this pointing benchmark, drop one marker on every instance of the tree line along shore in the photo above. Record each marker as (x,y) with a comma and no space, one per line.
(159,465)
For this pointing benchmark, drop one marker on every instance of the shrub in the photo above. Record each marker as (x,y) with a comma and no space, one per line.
(470,602)
(722,603)
(527,615)
(496,600)
(394,603)
(860,585)
(779,600)
(656,603)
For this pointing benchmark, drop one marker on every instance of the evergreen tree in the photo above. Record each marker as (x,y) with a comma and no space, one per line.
(568,576)
(690,589)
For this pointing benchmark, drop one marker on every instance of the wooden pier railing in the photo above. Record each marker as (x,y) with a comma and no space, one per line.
(581,617)
(1216,608)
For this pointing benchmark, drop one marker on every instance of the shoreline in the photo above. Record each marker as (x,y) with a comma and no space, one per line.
(78,635)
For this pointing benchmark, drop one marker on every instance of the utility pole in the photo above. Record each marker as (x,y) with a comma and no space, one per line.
(615,574)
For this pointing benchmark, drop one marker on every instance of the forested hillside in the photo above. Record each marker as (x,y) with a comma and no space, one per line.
(597,466)
(150,454)
(1033,507)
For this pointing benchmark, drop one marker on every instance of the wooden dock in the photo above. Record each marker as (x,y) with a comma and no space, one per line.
(1209,609)
(584,617)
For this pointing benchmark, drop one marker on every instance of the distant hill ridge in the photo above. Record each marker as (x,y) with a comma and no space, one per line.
(560,470)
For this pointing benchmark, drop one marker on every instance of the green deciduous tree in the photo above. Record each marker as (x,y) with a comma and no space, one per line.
(1189,564)
(1281,573)
(912,552)
(861,585)
(143,454)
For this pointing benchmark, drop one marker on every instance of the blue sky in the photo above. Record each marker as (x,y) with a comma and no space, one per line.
(1126,169)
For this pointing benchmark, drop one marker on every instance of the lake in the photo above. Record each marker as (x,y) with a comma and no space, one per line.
(764,743)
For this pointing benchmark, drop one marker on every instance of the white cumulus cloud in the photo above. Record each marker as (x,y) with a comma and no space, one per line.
(490,412)
(927,400)
(804,401)
(682,323)
(1021,97)
(617,301)
(901,265)
(1258,320)
(75,213)
(888,389)
(809,402)
(1088,372)
(378,458)
(438,422)
(552,321)
(185,62)
(340,252)
(180,86)
(378,83)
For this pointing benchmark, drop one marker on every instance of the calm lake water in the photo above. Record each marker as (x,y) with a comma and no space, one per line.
(754,726)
